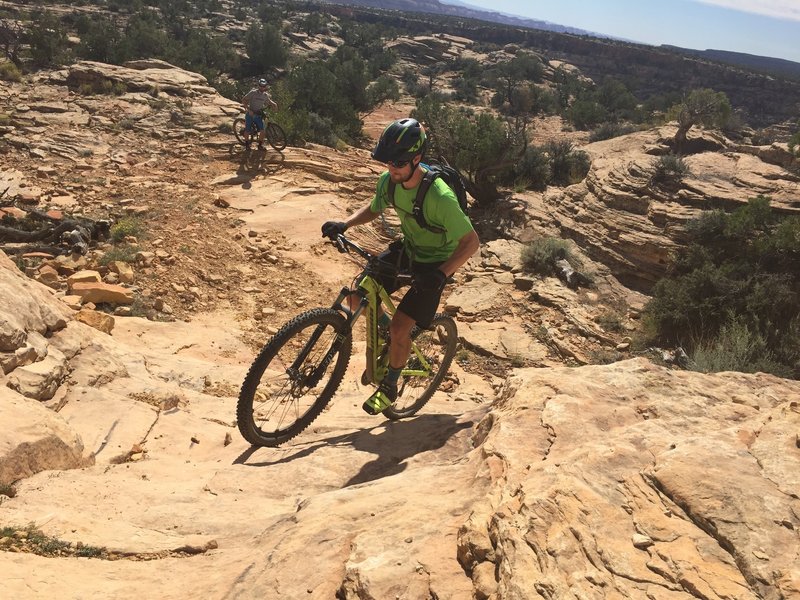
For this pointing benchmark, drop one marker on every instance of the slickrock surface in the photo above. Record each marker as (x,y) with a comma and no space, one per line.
(524,479)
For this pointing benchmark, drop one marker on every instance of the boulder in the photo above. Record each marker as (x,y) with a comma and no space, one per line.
(100,293)
(35,439)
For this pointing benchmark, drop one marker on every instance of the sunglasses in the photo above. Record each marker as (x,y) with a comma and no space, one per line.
(397,164)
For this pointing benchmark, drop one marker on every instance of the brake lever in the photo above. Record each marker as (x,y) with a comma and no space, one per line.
(340,246)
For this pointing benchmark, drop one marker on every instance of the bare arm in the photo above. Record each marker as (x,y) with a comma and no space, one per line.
(361,216)
(467,246)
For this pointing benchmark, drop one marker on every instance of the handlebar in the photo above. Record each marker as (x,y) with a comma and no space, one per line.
(344,245)
(376,266)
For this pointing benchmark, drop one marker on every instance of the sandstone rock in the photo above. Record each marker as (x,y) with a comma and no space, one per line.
(141,76)
(633,227)
(103,293)
(475,296)
(48,276)
(507,252)
(35,439)
(27,307)
(83,277)
(503,340)
(41,379)
(99,320)
(656,483)
(123,269)
(74,302)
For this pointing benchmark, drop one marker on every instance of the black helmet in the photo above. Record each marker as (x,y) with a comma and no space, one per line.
(401,140)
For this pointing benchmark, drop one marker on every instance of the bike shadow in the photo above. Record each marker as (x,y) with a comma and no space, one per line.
(252,162)
(392,442)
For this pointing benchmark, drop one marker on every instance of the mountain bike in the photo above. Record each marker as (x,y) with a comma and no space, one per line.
(273,132)
(298,371)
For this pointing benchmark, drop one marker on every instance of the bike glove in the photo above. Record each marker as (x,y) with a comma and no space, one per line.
(333,229)
(428,281)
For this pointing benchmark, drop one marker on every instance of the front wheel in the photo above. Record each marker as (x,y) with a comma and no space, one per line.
(276,136)
(240,130)
(432,351)
(294,377)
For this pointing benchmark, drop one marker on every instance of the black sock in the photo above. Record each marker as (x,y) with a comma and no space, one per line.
(392,375)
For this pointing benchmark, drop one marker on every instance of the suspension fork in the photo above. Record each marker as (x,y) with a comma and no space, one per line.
(337,342)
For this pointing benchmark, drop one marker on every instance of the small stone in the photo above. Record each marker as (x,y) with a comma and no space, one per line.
(195,440)
(641,541)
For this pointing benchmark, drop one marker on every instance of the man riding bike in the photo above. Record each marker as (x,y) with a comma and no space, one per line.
(254,102)
(430,256)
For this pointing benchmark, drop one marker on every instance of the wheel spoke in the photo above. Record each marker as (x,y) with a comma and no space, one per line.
(282,394)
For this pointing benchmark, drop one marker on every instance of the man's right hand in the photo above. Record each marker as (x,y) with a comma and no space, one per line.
(333,229)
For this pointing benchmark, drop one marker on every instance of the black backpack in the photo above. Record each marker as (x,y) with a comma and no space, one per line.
(449,175)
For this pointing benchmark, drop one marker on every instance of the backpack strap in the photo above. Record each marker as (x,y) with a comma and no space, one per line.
(418,212)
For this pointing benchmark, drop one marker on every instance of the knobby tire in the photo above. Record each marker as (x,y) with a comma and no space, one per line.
(276,403)
(239,130)
(438,345)
(276,136)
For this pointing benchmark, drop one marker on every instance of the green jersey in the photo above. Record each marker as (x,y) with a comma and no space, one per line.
(440,208)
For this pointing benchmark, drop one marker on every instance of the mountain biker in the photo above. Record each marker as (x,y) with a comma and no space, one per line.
(254,102)
(431,257)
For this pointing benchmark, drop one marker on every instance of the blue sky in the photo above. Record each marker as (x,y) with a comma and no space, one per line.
(762,27)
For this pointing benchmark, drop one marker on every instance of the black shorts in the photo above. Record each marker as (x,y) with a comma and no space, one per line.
(419,306)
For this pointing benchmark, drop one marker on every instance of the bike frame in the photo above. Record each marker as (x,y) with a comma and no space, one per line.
(372,295)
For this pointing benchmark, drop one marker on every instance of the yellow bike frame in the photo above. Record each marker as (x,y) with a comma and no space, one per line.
(372,296)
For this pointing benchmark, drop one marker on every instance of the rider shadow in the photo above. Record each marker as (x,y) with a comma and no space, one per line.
(392,442)
(253,162)
(400,440)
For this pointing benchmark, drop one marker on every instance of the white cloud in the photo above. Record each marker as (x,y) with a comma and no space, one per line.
(780,9)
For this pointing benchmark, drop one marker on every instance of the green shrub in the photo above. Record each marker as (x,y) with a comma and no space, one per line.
(794,144)
(9,71)
(738,279)
(126,226)
(567,165)
(122,253)
(670,169)
(541,255)
(586,113)
(534,168)
(47,40)
(607,131)
(31,539)
(736,348)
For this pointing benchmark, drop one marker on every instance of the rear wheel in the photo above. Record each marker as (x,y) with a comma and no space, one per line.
(294,377)
(432,352)
(276,136)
